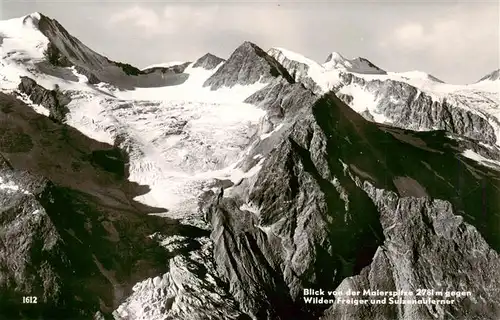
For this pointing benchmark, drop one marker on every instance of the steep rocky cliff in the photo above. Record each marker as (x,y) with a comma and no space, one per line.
(313,217)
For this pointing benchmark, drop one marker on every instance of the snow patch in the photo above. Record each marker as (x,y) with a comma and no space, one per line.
(297,57)
(325,79)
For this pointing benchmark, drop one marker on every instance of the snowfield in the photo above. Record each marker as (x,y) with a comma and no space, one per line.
(180,138)
(183,138)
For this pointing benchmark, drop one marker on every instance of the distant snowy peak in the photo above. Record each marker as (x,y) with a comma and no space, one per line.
(21,38)
(173,67)
(282,53)
(208,62)
(358,65)
(247,65)
(63,44)
(493,76)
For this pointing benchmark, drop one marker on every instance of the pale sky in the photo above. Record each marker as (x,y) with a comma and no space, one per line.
(456,41)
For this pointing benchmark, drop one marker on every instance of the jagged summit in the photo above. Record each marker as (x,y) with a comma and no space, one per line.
(248,64)
(493,76)
(208,61)
(415,74)
(358,65)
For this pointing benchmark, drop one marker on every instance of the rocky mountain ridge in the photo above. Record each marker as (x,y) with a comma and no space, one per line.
(399,102)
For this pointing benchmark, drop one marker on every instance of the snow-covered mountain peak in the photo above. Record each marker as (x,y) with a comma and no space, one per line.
(276,52)
(418,75)
(21,39)
(357,65)
(39,47)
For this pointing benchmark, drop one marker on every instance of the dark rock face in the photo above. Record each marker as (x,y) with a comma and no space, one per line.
(495,75)
(14,140)
(280,97)
(127,68)
(32,252)
(54,100)
(247,65)
(55,57)
(208,61)
(370,64)
(64,44)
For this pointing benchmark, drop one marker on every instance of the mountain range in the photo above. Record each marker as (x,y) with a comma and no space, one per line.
(233,188)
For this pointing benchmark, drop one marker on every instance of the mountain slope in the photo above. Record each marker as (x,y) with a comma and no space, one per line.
(310,216)
(221,189)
